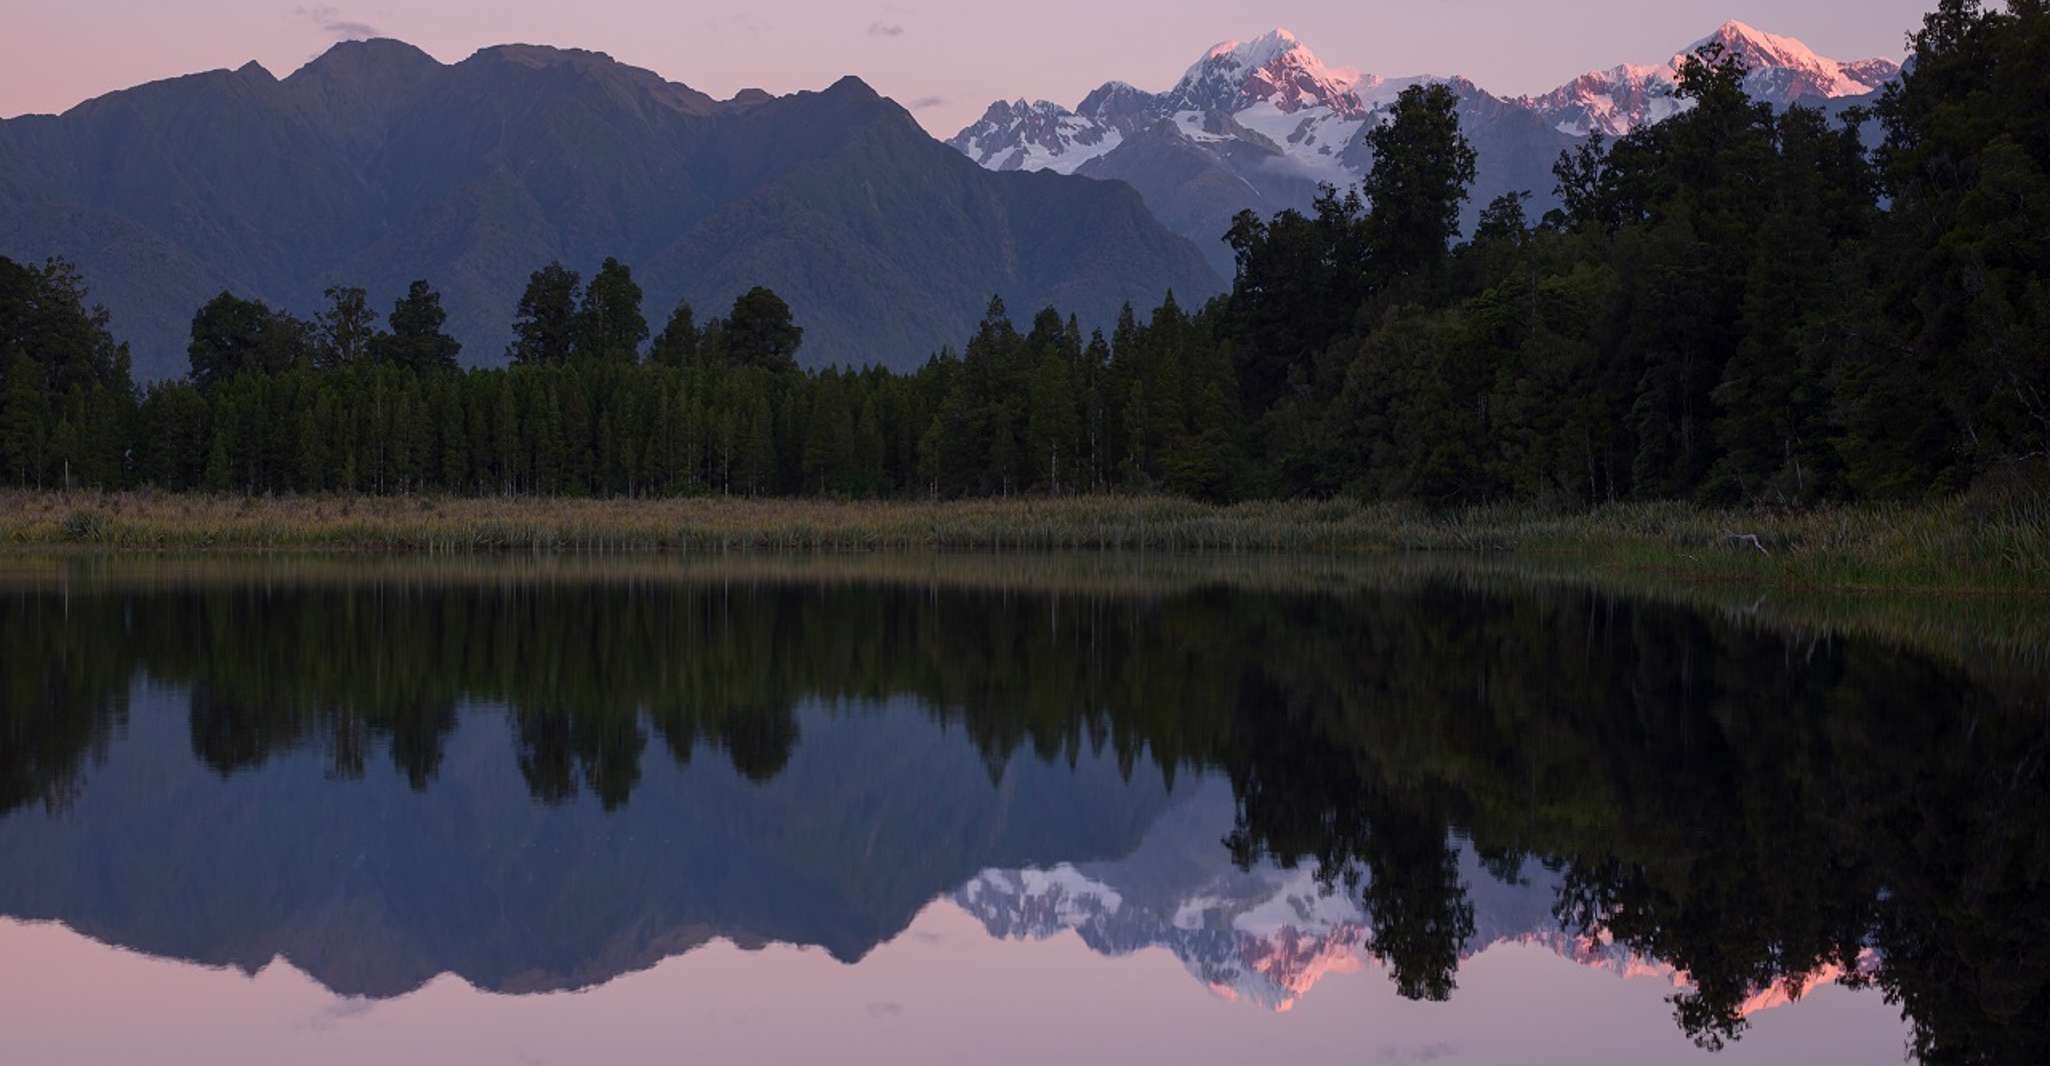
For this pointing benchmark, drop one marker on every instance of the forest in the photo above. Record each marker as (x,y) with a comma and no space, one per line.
(1734,306)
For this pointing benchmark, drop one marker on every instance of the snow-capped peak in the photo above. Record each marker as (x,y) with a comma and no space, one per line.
(1772,48)
(1250,55)
(1787,69)
(1274,67)
(1269,104)
(1042,135)
(1782,71)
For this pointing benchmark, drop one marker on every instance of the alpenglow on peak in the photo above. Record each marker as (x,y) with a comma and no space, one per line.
(1275,67)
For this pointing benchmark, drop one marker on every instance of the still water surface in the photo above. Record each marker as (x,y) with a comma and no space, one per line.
(987,810)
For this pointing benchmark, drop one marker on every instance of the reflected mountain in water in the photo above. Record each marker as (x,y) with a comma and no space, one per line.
(1266,935)
(373,889)
(544,779)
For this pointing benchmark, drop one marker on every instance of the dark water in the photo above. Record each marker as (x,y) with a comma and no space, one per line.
(1004,811)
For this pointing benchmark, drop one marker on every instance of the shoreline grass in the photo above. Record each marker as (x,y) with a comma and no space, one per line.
(1974,544)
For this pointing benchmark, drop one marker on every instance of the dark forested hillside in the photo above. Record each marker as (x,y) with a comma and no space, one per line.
(1736,305)
(375,165)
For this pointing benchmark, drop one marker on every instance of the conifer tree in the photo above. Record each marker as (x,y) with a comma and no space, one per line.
(609,324)
(677,345)
(418,340)
(545,325)
(761,332)
(1423,166)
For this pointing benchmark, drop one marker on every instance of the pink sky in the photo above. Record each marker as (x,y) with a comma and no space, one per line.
(941,993)
(945,59)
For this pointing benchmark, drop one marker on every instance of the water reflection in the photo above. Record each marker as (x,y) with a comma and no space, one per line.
(1270,779)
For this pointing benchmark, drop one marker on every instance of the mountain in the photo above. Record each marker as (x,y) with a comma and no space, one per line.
(1264,935)
(1275,70)
(1261,124)
(1255,125)
(373,888)
(1782,72)
(376,164)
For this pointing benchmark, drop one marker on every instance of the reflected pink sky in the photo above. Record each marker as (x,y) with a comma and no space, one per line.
(942,992)
(945,60)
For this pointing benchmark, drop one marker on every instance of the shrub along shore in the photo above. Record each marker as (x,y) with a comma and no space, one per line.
(1984,542)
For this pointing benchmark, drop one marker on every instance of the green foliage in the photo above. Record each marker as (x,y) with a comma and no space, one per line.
(232,336)
(345,333)
(677,344)
(417,340)
(761,332)
(66,399)
(24,421)
(609,325)
(1967,162)
(1422,168)
(545,323)
(1723,308)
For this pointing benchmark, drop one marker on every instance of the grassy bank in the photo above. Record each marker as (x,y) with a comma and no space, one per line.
(1983,543)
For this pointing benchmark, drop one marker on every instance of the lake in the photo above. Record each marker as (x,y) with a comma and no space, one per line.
(1010,809)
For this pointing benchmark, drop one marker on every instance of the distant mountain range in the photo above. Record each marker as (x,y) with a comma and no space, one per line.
(375,164)
(1261,124)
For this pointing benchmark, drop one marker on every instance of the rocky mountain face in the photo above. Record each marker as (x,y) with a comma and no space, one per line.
(375,165)
(1782,72)
(1262,124)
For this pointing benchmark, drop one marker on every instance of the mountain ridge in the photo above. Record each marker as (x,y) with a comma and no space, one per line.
(1261,124)
(1782,71)
(374,165)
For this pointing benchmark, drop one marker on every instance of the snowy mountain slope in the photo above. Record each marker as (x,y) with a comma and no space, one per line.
(1258,125)
(1261,124)
(1782,71)
(1274,69)
(1017,135)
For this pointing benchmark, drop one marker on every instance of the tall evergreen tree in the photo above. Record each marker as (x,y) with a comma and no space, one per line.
(610,326)
(761,332)
(677,344)
(1423,166)
(545,324)
(417,341)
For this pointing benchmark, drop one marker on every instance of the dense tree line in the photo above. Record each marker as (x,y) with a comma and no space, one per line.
(589,403)
(1732,305)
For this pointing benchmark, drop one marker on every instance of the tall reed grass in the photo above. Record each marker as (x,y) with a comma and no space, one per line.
(1987,542)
